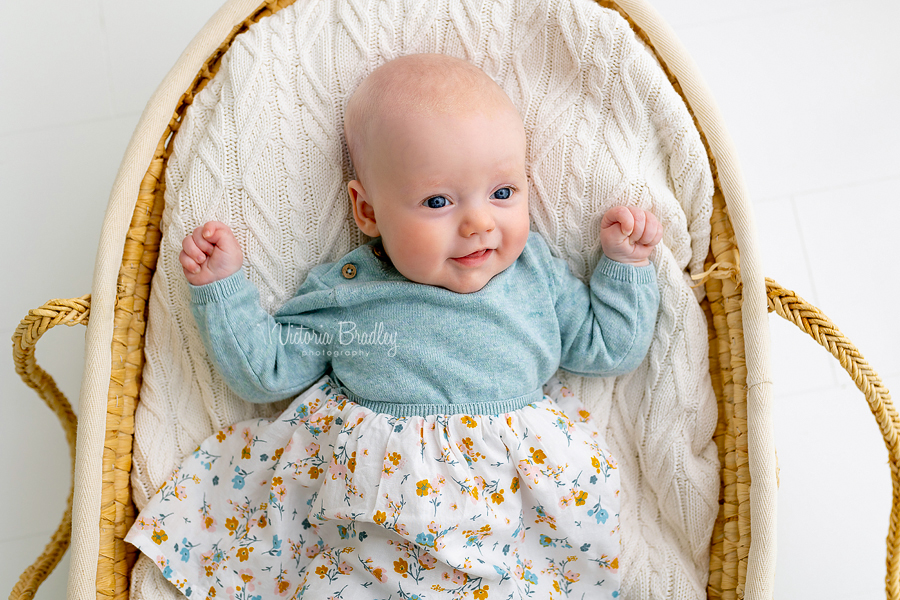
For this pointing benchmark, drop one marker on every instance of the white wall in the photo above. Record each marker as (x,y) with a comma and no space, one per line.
(809,92)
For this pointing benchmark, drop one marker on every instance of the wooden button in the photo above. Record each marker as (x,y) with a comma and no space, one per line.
(349,271)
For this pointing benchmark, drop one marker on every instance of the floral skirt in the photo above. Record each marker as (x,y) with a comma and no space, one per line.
(333,500)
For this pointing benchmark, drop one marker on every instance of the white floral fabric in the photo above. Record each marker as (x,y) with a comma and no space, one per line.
(333,500)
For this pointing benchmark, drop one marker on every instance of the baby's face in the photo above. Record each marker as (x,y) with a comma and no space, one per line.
(449,196)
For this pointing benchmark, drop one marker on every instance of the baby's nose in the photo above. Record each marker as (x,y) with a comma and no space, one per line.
(477,220)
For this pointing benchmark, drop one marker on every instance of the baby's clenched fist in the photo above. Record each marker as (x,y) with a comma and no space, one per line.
(210,253)
(628,234)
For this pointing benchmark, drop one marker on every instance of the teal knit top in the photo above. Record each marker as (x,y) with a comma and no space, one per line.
(412,349)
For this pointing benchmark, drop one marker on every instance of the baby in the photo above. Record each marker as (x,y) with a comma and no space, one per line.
(429,462)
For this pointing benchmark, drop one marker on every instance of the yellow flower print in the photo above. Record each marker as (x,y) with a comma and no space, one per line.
(401,566)
(395,457)
(378,572)
(159,536)
(351,463)
(212,592)
(314,472)
(581,498)
(246,576)
(277,481)
(514,485)
(481,593)
(263,521)
(231,524)
(244,553)
(245,452)
(380,517)
(423,488)
(469,421)
(220,436)
(321,571)
(497,497)
(538,456)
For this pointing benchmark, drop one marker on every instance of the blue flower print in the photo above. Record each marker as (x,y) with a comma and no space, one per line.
(185,549)
(598,513)
(238,480)
(426,540)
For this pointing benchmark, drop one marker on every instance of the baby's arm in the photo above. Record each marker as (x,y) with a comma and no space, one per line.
(247,345)
(606,327)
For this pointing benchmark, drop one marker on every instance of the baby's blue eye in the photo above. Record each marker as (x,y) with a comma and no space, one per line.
(436,202)
(502,194)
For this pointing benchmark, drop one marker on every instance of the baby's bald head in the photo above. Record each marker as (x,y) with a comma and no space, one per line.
(421,84)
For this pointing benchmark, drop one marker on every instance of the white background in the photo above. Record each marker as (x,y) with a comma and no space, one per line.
(808,89)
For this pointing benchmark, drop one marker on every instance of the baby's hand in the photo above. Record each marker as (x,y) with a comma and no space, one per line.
(628,234)
(210,253)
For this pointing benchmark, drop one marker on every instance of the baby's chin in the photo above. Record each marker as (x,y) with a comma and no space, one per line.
(469,283)
(466,289)
(465,285)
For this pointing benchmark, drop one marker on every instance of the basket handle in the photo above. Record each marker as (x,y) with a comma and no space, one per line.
(39,320)
(810,319)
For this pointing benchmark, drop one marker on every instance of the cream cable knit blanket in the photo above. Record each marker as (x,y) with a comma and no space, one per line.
(261,148)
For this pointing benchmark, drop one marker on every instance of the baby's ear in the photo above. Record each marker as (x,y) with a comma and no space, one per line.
(363,213)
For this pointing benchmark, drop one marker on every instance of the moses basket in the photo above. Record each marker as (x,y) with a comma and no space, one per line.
(736,303)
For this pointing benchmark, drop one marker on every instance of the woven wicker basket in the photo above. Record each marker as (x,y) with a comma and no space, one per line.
(737,298)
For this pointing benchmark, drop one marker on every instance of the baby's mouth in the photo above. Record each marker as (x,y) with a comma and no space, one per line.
(475,258)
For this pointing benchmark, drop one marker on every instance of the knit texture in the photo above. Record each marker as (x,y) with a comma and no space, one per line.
(261,148)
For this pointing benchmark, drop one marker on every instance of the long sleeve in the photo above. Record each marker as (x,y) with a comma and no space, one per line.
(606,327)
(261,357)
